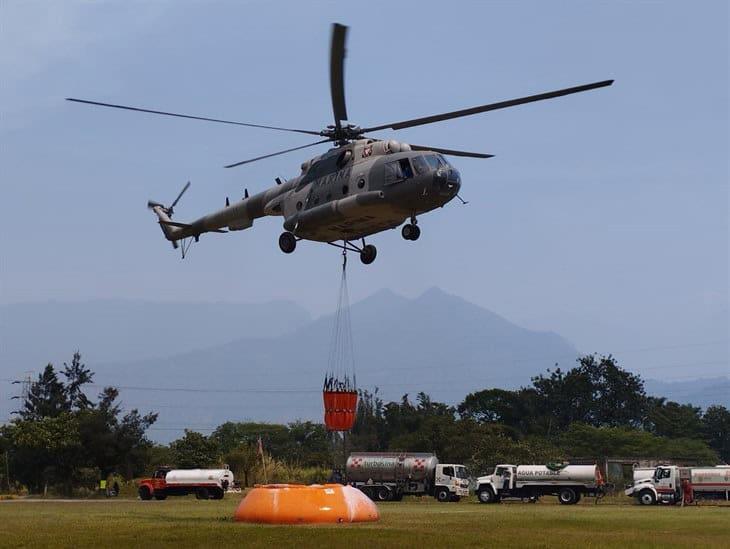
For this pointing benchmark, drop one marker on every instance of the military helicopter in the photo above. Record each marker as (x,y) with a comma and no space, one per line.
(360,187)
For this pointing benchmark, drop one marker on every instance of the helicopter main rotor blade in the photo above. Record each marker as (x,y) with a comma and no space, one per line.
(276,154)
(450,152)
(337,69)
(488,107)
(139,109)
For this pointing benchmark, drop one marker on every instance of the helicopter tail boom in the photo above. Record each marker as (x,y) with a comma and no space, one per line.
(172,230)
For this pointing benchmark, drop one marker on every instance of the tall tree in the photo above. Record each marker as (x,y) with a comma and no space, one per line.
(597,392)
(46,451)
(77,375)
(243,461)
(716,427)
(46,397)
(195,450)
(521,411)
(674,420)
(368,433)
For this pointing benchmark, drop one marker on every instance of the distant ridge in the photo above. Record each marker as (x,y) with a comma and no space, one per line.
(33,334)
(438,343)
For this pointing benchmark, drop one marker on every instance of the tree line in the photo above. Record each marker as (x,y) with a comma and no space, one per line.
(63,439)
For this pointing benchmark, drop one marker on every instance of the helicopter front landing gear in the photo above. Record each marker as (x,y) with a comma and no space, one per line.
(287,242)
(410,231)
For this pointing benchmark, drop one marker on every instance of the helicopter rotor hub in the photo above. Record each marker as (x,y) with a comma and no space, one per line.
(343,134)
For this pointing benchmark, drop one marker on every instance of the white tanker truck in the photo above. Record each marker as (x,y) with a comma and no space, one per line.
(668,484)
(386,476)
(568,482)
(204,483)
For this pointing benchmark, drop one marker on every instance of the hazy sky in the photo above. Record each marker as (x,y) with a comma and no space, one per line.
(603,216)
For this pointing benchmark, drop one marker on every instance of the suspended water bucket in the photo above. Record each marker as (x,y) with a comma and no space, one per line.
(340,389)
(340,409)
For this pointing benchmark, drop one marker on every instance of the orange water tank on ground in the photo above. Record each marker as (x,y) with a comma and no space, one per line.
(300,504)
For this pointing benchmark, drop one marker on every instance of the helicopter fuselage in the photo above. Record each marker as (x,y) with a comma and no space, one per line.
(361,187)
(348,193)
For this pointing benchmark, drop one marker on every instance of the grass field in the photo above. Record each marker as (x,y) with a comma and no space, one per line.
(423,523)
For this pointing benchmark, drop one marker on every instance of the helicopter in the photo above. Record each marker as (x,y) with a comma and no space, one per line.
(360,187)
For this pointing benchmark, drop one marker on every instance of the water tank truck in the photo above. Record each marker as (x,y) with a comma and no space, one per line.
(666,484)
(204,483)
(388,476)
(568,482)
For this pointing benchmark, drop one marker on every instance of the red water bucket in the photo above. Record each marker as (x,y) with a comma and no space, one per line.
(340,408)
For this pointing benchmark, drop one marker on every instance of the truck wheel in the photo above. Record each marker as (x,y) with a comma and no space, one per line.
(202,493)
(145,493)
(646,497)
(486,496)
(384,494)
(218,493)
(567,496)
(442,495)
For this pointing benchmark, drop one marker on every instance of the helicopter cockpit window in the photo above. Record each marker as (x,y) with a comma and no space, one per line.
(419,164)
(443,160)
(398,171)
(433,161)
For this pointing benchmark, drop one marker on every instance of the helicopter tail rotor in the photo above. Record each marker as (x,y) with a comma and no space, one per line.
(164,213)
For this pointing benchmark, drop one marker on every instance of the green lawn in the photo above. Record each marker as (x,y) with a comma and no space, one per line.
(411,523)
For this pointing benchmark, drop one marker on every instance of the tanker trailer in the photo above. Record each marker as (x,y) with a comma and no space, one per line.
(386,476)
(569,483)
(204,483)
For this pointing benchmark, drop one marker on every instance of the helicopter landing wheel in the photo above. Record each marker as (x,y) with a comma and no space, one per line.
(410,231)
(287,242)
(368,253)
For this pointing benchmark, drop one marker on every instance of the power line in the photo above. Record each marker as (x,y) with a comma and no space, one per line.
(192,389)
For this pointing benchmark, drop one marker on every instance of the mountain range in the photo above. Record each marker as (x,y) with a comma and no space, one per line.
(199,365)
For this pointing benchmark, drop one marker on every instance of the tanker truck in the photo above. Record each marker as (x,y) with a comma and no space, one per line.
(204,483)
(669,482)
(568,482)
(388,476)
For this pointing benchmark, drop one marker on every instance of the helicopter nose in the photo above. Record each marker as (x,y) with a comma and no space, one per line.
(448,181)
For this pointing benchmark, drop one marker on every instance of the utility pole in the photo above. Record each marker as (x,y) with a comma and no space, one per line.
(24,390)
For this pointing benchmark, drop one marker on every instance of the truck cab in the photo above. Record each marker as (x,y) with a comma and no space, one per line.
(157,481)
(491,487)
(451,482)
(663,486)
